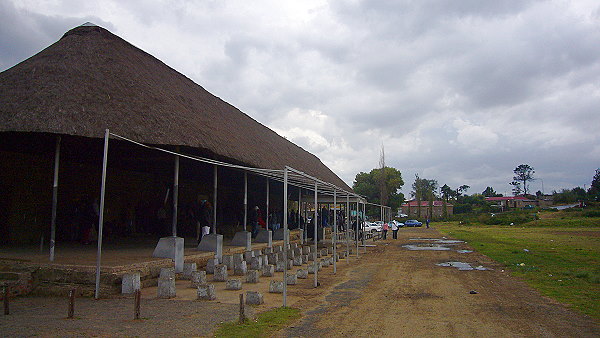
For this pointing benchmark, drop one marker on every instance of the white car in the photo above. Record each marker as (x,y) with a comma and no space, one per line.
(372,227)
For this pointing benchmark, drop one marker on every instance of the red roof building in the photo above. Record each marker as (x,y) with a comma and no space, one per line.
(422,209)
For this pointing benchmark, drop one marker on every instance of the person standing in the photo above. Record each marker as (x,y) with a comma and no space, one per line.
(386,227)
(427,222)
(394,229)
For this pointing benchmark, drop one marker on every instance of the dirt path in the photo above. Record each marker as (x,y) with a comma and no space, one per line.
(390,292)
(394,292)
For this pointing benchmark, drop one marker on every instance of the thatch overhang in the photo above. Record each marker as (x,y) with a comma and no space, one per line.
(91,80)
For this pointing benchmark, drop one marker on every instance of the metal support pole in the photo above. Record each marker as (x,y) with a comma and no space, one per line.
(364,212)
(175,194)
(334,230)
(101,214)
(298,217)
(245,200)
(214,225)
(267,211)
(315,239)
(348,228)
(54,199)
(357,226)
(285,232)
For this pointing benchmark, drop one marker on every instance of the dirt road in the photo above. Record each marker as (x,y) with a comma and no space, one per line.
(389,292)
(394,292)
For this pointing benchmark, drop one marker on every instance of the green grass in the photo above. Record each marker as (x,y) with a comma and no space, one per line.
(561,262)
(265,324)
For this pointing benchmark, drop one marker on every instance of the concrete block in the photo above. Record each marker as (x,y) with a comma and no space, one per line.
(273,257)
(213,243)
(292,279)
(233,284)
(188,268)
(240,269)
(297,251)
(278,234)
(166,287)
(242,238)
(254,298)
(304,259)
(268,250)
(171,247)
(167,272)
(237,258)
(297,260)
(280,266)
(255,263)
(323,252)
(293,246)
(302,274)
(228,260)
(276,286)
(264,236)
(210,265)
(290,254)
(257,252)
(264,259)
(248,255)
(312,256)
(313,267)
(206,292)
(220,273)
(319,253)
(252,276)
(325,262)
(290,264)
(305,250)
(268,270)
(198,278)
(278,249)
(130,283)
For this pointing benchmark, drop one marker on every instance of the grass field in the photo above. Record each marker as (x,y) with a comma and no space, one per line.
(552,254)
(263,326)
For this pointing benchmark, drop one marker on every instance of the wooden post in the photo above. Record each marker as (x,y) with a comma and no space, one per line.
(242,315)
(6,296)
(71,312)
(136,304)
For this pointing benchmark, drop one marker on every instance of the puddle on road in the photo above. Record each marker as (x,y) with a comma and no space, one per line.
(464,251)
(439,240)
(434,247)
(462,266)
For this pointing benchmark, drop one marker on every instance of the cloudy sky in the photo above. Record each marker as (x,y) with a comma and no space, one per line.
(457,91)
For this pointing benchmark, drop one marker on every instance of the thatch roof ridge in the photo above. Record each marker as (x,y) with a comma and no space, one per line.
(91,79)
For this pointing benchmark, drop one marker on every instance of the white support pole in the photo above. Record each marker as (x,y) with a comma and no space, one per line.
(245,200)
(357,230)
(214,225)
(101,214)
(267,211)
(334,230)
(298,216)
(175,195)
(364,212)
(348,228)
(315,239)
(54,199)
(285,234)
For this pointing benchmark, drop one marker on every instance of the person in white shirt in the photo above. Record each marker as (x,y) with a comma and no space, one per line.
(394,225)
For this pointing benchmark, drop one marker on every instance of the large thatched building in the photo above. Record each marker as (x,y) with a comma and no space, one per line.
(91,80)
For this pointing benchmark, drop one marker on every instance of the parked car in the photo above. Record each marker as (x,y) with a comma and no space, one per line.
(413,223)
(372,227)
(398,224)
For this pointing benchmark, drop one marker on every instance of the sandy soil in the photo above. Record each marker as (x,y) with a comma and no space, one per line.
(391,291)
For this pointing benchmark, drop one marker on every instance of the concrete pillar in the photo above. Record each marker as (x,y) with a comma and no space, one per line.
(240,269)
(233,284)
(302,274)
(252,276)
(242,238)
(276,286)
(220,273)
(166,287)
(188,268)
(130,283)
(268,270)
(198,278)
(254,298)
(206,292)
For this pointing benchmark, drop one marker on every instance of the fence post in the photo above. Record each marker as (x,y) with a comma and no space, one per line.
(136,304)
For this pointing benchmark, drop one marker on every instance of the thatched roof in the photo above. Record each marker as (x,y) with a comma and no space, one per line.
(91,80)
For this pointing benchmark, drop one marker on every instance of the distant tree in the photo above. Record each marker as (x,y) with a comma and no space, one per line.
(446,192)
(423,190)
(368,185)
(594,190)
(461,189)
(490,192)
(539,194)
(516,190)
(523,174)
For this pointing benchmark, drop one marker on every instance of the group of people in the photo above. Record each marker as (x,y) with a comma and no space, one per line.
(393,225)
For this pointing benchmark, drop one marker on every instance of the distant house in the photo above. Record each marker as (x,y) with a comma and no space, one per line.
(511,202)
(411,208)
